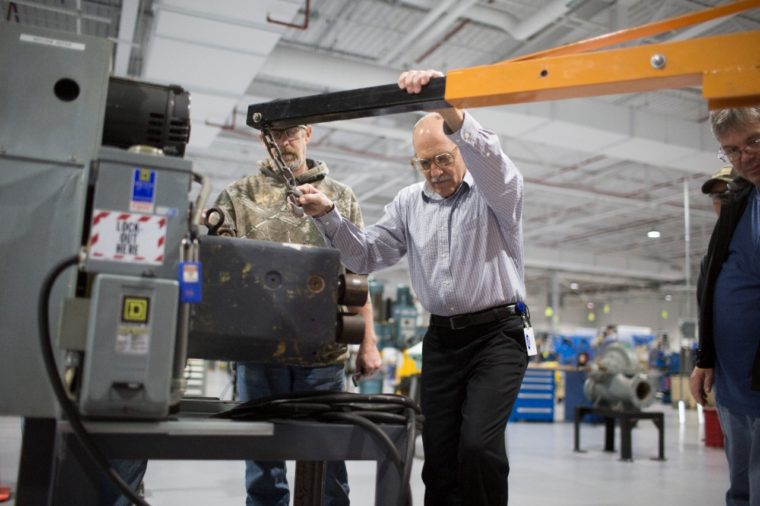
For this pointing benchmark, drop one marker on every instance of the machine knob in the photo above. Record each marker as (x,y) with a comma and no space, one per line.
(352,289)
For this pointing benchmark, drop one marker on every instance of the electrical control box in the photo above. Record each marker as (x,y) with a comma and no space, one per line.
(130,347)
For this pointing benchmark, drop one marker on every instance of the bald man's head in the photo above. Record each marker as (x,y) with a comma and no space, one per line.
(429,140)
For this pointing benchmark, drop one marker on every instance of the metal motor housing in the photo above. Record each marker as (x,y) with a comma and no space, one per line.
(617,381)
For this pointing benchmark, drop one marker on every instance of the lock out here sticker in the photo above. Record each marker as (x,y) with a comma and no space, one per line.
(127,237)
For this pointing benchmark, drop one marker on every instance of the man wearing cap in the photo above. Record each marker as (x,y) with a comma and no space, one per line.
(717,185)
(728,293)
(461,230)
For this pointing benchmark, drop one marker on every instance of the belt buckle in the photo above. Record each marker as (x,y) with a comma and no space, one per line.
(455,324)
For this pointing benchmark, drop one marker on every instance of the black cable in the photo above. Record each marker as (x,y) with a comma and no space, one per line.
(411,425)
(401,466)
(68,407)
(363,410)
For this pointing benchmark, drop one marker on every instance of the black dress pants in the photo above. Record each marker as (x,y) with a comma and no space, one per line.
(470,380)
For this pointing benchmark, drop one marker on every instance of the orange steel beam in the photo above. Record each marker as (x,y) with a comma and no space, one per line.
(648,30)
(727,67)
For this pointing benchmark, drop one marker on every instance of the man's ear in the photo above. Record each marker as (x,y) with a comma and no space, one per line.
(261,139)
(307,132)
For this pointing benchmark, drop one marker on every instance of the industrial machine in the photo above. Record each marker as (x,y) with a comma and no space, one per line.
(107,284)
(125,218)
(395,320)
(617,381)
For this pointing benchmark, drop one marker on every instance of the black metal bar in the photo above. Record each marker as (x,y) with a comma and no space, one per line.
(579,412)
(609,434)
(359,103)
(310,483)
(626,426)
(660,424)
(36,467)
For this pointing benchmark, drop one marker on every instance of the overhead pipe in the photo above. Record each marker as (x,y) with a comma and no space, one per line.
(507,22)
(300,26)
(443,24)
(14,10)
(541,19)
(428,21)
(452,32)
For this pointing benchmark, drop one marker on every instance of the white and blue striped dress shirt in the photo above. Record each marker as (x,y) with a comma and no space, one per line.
(465,251)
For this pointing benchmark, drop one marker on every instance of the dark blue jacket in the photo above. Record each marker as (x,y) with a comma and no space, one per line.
(732,207)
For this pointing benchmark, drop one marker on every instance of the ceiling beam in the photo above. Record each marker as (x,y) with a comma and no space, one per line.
(127,23)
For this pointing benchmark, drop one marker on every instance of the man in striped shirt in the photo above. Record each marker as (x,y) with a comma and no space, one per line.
(462,232)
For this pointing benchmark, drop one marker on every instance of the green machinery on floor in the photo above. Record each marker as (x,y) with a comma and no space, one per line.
(395,320)
(617,381)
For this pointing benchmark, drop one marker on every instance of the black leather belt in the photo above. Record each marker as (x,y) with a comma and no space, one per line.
(462,321)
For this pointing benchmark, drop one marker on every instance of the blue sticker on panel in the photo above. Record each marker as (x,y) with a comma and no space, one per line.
(143,191)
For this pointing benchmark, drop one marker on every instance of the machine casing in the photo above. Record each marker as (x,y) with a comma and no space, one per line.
(47,140)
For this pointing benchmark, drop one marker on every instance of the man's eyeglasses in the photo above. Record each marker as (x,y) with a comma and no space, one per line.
(441,160)
(289,134)
(732,154)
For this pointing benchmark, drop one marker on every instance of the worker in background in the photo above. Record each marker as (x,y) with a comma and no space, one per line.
(462,231)
(254,207)
(717,185)
(728,355)
(608,336)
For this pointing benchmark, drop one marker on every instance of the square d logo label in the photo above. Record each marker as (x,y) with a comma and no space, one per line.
(135,309)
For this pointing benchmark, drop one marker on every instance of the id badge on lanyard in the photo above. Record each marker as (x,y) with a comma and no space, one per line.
(530,338)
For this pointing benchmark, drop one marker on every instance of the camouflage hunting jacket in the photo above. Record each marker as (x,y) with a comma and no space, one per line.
(254,207)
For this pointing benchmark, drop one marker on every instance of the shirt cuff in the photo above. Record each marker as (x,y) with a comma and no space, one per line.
(329,223)
(467,133)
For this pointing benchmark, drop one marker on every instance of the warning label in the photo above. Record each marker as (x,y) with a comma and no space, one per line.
(132,339)
(127,237)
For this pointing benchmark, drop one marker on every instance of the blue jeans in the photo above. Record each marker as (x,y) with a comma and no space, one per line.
(131,471)
(266,481)
(741,437)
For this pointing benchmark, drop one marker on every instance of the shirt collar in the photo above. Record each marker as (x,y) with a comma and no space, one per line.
(428,194)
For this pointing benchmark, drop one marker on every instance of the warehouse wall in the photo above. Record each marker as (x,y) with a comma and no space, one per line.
(640,309)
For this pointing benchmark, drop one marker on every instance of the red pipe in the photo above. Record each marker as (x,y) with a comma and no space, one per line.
(302,26)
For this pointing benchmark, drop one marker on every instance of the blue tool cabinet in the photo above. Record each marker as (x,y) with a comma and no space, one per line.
(535,401)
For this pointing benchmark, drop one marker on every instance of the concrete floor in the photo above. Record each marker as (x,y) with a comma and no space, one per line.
(544,468)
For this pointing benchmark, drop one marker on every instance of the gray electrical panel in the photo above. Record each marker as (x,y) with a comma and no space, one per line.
(139,213)
(52,111)
(130,347)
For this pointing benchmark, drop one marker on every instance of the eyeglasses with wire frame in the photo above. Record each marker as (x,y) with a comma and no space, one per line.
(289,134)
(441,160)
(732,153)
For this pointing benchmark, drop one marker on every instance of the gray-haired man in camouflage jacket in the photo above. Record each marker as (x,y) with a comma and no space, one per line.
(255,207)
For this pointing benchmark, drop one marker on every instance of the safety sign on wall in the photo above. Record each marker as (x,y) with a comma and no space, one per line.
(128,237)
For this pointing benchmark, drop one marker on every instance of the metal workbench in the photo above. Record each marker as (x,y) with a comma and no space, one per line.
(193,436)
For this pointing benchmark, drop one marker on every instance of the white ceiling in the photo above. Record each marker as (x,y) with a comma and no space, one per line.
(599,172)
